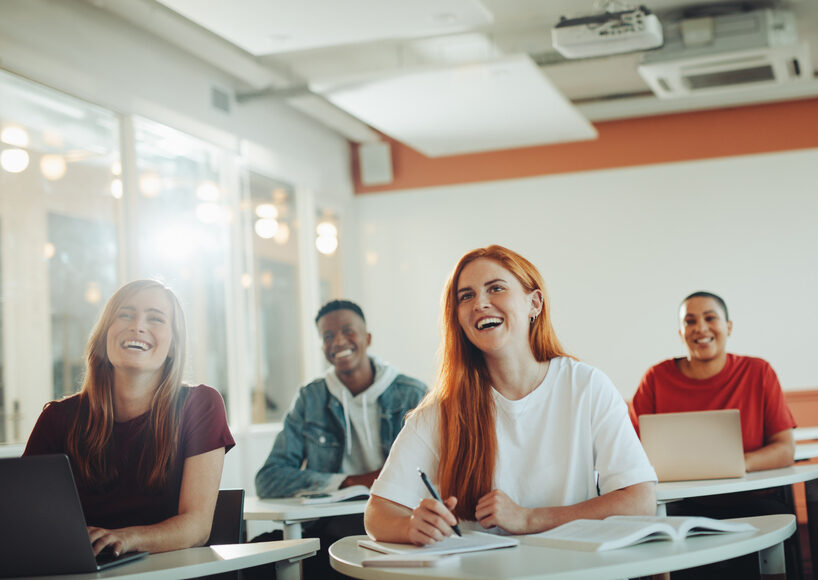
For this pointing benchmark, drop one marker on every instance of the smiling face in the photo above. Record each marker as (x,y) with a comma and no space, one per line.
(140,336)
(345,340)
(704,329)
(493,308)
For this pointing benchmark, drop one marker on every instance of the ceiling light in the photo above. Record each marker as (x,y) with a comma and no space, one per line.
(326,245)
(116,188)
(49,250)
(246,280)
(327,230)
(16,136)
(116,168)
(53,167)
(266,228)
(14,160)
(267,210)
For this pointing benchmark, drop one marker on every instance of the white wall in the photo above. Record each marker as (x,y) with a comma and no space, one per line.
(618,250)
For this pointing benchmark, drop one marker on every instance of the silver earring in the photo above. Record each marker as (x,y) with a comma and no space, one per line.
(532,319)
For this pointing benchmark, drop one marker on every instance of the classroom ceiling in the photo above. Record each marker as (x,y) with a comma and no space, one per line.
(391,64)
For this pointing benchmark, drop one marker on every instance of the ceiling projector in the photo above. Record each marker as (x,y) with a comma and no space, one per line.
(607,33)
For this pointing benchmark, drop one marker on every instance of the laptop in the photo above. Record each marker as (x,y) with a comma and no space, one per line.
(42,523)
(694,445)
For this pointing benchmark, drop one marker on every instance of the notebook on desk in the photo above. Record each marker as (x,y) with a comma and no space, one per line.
(42,523)
(694,445)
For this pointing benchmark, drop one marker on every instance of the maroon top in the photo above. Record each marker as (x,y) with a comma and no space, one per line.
(125,501)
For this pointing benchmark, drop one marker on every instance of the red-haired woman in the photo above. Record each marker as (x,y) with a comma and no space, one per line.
(519,436)
(146,450)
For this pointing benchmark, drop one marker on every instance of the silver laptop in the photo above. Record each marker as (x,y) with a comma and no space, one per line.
(695,445)
(41,521)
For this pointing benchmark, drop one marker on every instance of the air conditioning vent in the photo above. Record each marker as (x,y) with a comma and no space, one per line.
(739,51)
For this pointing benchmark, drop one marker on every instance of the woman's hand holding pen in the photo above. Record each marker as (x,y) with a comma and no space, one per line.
(431,521)
(497,509)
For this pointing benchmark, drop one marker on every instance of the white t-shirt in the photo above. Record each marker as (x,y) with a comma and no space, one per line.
(551,444)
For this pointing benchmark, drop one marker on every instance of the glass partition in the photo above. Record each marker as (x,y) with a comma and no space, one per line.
(75,224)
(60,218)
(269,210)
(183,238)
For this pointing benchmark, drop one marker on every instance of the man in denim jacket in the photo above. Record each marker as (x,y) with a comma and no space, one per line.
(340,428)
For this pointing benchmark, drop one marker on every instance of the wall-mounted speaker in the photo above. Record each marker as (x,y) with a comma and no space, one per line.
(375,163)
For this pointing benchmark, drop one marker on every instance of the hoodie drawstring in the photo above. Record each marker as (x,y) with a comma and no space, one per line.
(347,439)
(367,429)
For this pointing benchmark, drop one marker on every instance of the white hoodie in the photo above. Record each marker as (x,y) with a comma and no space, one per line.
(362,418)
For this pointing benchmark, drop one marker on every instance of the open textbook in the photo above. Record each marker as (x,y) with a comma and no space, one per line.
(620,531)
(470,542)
(350,493)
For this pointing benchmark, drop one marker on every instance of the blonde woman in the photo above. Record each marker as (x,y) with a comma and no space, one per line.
(146,450)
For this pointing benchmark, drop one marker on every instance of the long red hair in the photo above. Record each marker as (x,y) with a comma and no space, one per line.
(468,442)
(89,439)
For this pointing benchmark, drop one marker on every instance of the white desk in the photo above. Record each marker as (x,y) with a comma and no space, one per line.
(806,451)
(805,433)
(668,491)
(539,563)
(196,562)
(291,513)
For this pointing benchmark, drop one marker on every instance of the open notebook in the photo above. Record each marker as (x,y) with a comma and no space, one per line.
(470,542)
(42,523)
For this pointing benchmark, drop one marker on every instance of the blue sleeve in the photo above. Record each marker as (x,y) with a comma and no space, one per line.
(281,475)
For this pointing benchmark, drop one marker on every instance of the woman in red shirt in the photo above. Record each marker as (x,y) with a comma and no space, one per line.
(146,450)
(710,378)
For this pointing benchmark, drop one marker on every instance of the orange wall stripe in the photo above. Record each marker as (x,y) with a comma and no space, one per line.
(644,141)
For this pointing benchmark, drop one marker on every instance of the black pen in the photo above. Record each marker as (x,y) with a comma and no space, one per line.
(435,495)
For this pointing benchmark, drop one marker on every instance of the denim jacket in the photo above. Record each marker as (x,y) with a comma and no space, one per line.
(310,447)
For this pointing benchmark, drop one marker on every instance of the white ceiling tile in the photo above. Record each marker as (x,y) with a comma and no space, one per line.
(499,105)
(274,26)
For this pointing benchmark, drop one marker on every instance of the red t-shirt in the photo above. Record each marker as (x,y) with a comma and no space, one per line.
(745,383)
(125,501)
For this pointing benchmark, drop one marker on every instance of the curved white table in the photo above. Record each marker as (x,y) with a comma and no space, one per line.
(196,562)
(291,513)
(538,563)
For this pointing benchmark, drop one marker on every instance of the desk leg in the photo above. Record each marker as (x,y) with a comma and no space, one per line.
(292,530)
(289,569)
(811,493)
(771,563)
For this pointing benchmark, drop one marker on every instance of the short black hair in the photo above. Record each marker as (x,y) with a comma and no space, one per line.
(334,305)
(704,294)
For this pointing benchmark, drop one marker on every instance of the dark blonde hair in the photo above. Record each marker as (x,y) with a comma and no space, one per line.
(89,439)
(468,442)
